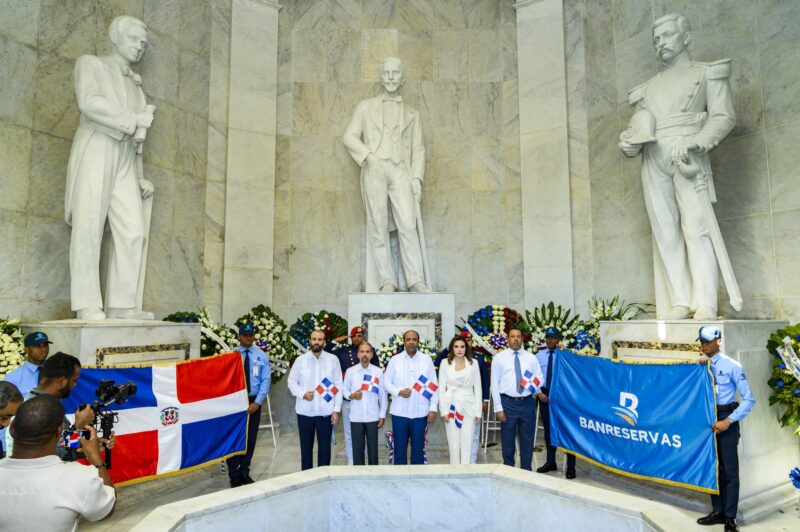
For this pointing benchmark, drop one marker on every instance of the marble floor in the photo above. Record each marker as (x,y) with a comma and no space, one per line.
(135,502)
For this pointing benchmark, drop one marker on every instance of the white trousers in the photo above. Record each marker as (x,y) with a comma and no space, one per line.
(106,187)
(348,435)
(460,441)
(681,238)
(386,183)
(476,444)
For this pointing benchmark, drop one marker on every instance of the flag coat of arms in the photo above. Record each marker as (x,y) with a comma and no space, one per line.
(183,415)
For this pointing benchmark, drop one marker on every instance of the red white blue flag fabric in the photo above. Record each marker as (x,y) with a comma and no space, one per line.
(183,415)
(529,382)
(371,384)
(456,416)
(425,386)
(327,389)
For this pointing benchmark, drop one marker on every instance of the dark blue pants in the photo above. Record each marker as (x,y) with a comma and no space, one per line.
(520,419)
(544,408)
(308,426)
(405,428)
(239,466)
(727,501)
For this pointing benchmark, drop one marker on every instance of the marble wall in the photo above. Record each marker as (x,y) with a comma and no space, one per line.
(462,76)
(39,42)
(609,51)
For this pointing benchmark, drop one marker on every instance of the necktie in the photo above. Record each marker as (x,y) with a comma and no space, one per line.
(247,369)
(518,372)
(549,369)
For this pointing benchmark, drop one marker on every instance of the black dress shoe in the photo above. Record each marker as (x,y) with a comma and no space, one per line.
(247,480)
(731,526)
(236,482)
(711,519)
(546,468)
(570,473)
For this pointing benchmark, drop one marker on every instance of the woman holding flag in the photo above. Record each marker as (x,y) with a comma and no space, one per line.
(460,399)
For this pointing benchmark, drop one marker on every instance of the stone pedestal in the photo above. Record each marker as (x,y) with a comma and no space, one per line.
(767,452)
(382,315)
(114,342)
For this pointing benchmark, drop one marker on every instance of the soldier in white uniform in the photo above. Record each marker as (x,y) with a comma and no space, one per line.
(693,111)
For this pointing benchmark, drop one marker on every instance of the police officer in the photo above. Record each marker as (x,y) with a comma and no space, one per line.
(348,357)
(729,378)
(258,375)
(546,357)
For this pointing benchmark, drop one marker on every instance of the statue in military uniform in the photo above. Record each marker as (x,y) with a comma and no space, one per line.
(681,114)
(384,137)
(105,180)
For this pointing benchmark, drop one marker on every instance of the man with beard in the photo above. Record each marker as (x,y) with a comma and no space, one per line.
(316,381)
(363,384)
(58,377)
(348,357)
(411,379)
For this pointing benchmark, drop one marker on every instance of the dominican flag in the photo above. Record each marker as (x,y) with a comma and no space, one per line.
(425,386)
(529,382)
(456,416)
(371,384)
(327,389)
(183,415)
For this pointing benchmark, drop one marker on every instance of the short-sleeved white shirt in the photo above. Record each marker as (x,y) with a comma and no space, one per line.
(48,494)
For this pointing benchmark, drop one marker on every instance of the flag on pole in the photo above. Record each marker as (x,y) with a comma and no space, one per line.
(184,415)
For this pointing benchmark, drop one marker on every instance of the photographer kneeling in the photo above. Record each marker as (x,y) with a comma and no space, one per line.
(38,490)
(59,375)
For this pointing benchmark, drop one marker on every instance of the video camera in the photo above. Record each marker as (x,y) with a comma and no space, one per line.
(107,393)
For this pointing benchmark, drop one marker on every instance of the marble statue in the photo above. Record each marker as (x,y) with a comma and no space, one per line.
(384,137)
(105,181)
(681,114)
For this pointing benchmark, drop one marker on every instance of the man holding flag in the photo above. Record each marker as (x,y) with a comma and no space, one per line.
(516,378)
(364,388)
(316,381)
(257,375)
(729,378)
(546,358)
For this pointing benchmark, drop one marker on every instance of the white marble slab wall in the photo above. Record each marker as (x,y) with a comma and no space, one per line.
(250,176)
(39,43)
(461,61)
(544,153)
(756,168)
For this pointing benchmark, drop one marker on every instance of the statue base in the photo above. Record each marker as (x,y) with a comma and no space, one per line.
(120,342)
(767,451)
(382,315)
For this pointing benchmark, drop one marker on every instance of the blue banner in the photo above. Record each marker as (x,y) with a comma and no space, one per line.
(645,420)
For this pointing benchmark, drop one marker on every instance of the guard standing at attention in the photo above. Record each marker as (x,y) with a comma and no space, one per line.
(546,357)
(258,375)
(729,378)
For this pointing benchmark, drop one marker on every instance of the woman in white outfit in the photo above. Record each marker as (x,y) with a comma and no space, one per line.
(460,399)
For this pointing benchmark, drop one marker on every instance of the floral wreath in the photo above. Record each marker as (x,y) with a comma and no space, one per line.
(784,344)
(12,352)
(208,345)
(331,324)
(394,345)
(492,324)
(272,337)
(552,315)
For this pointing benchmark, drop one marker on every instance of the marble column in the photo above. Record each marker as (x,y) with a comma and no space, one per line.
(544,153)
(250,176)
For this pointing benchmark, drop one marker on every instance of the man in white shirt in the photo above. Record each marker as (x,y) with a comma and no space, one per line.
(316,381)
(365,389)
(38,490)
(516,378)
(411,379)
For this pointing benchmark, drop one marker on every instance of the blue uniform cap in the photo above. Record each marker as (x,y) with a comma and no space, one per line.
(247,328)
(36,338)
(552,332)
(708,333)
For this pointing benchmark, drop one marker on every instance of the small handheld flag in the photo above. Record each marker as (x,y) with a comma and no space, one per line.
(529,382)
(327,389)
(457,416)
(371,384)
(425,387)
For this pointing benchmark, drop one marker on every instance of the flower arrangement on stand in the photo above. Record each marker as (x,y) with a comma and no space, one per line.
(208,345)
(552,315)
(394,345)
(272,337)
(785,379)
(331,324)
(587,339)
(492,324)
(12,352)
